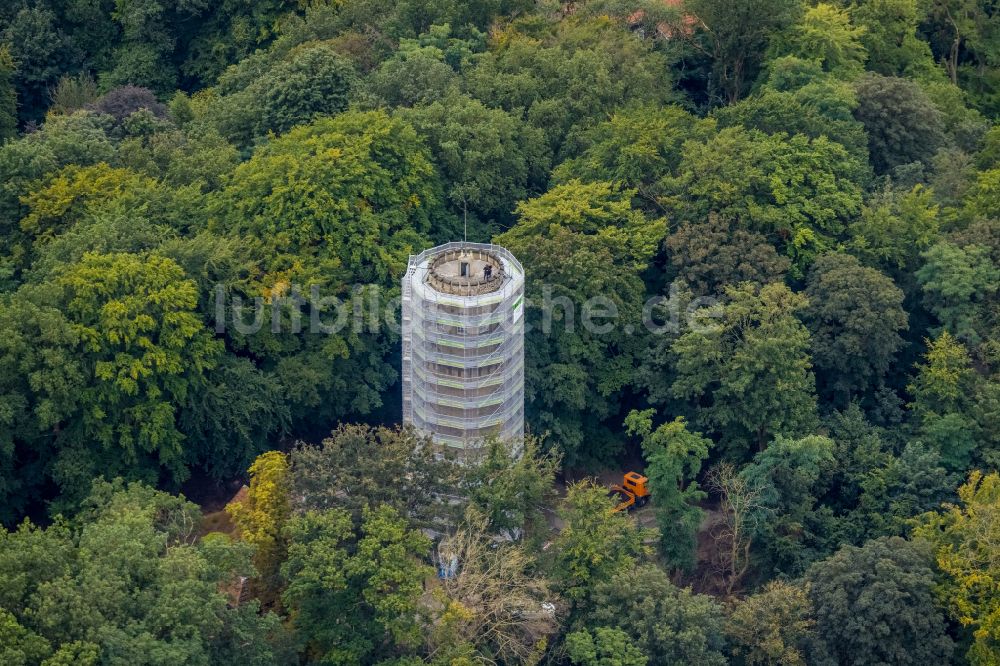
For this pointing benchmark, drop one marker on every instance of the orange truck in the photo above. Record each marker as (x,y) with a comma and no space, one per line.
(632,492)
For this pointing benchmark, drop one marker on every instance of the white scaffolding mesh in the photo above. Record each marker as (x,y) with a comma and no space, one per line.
(463,345)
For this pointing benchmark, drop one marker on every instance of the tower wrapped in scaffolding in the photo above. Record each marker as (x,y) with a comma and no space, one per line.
(463,345)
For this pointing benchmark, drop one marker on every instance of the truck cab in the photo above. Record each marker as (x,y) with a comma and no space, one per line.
(632,492)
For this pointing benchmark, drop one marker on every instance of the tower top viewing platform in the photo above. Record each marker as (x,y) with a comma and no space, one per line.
(466,271)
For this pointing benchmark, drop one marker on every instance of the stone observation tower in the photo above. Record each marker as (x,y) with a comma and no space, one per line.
(463,344)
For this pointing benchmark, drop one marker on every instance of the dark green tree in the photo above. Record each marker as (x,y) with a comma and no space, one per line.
(307,82)
(585,247)
(79,139)
(510,484)
(855,316)
(359,466)
(570,78)
(892,494)
(489,159)
(239,413)
(792,474)
(8,96)
(711,255)
(327,207)
(41,376)
(876,605)
(799,192)
(415,75)
(668,624)
(41,52)
(736,36)
(819,106)
(960,285)
(902,123)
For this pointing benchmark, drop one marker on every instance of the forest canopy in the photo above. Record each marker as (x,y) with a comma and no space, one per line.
(197,466)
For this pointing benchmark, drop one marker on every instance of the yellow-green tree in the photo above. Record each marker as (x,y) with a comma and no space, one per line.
(774,626)
(261,517)
(967,540)
(825,34)
(595,543)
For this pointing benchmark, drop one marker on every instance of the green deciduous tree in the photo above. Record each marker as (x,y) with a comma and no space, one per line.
(357,191)
(310,81)
(237,415)
(421,71)
(141,350)
(900,488)
(41,376)
(8,96)
(21,646)
(792,474)
(39,48)
(128,578)
(800,192)
(894,228)
(143,346)
(584,247)
(902,123)
(890,37)
(635,148)
(774,626)
(327,206)
(749,372)
(68,196)
(818,106)
(825,33)
(736,37)
(960,286)
(982,195)
(594,544)
(571,78)
(673,460)
(668,624)
(359,466)
(354,600)
(875,605)
(942,391)
(180,158)
(142,56)
(855,316)
(78,139)
(604,646)
(956,30)
(489,159)
(711,255)
(509,484)
(262,515)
